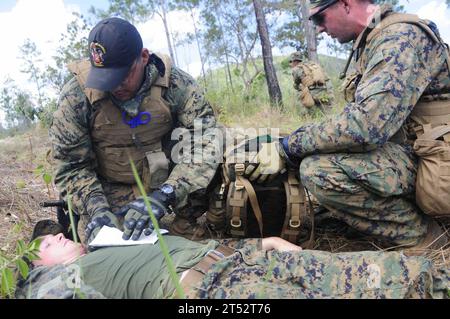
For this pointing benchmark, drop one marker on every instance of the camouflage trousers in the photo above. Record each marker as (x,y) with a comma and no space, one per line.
(371,192)
(253,273)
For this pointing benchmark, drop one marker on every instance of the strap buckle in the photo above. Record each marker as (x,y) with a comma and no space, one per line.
(239,169)
(294,223)
(235,224)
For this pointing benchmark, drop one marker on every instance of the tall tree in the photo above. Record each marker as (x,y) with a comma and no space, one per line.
(276,98)
(191,6)
(288,28)
(31,58)
(309,29)
(73,46)
(230,25)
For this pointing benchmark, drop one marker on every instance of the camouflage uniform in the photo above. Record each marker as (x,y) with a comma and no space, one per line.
(254,273)
(322,95)
(369,180)
(76,173)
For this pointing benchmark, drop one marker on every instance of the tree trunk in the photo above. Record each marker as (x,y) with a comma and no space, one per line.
(271,76)
(166,29)
(197,39)
(227,60)
(310,30)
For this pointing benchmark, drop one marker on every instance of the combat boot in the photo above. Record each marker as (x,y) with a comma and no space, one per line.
(188,229)
(436,238)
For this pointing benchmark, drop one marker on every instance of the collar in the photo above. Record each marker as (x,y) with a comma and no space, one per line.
(132,106)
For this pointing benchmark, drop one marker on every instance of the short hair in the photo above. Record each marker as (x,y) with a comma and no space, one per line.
(46,227)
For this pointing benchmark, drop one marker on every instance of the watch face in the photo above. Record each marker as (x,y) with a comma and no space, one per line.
(167,189)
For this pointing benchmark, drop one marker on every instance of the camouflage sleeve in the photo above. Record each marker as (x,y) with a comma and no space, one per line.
(195,169)
(399,68)
(57,282)
(69,134)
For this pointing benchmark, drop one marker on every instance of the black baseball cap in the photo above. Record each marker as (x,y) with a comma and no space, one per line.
(114,44)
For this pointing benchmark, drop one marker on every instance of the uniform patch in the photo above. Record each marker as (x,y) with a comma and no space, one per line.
(97,52)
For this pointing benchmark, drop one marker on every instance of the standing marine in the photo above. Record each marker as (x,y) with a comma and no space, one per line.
(311,82)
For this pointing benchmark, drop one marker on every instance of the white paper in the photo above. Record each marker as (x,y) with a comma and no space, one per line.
(110,236)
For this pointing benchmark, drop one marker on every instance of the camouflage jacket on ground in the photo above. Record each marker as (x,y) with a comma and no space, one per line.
(72,144)
(401,64)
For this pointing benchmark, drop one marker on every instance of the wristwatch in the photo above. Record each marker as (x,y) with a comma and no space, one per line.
(169,192)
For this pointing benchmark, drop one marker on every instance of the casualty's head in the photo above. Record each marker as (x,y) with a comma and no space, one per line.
(54,248)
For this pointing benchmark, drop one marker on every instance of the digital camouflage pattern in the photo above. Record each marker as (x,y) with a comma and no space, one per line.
(57,282)
(375,176)
(322,95)
(255,273)
(76,163)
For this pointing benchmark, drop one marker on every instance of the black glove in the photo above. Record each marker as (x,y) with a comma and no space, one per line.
(137,217)
(98,220)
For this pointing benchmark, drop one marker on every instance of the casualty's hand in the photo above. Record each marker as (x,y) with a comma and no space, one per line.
(137,217)
(277,243)
(98,220)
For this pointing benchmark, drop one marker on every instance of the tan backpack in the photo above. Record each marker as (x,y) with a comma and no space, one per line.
(433,174)
(245,209)
(313,74)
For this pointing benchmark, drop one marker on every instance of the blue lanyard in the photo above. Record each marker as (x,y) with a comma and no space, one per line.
(142,118)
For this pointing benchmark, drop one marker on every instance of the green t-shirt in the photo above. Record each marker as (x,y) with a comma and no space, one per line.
(140,271)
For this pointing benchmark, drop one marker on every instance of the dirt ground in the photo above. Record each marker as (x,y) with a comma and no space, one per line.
(21,191)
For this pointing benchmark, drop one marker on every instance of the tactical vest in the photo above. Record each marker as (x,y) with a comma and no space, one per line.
(432,109)
(116,141)
(313,75)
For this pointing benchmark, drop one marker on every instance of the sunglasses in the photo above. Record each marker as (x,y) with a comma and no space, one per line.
(318,18)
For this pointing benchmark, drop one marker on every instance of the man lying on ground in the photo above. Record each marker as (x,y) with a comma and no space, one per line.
(255,268)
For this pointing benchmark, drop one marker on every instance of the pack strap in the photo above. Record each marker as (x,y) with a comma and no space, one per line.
(253,201)
(295,202)
(237,204)
(435,133)
(242,191)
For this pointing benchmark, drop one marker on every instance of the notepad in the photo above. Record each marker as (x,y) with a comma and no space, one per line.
(110,236)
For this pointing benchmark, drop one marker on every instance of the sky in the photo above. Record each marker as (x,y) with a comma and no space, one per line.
(43,21)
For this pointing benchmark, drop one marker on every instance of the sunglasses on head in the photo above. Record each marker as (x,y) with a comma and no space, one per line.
(318,18)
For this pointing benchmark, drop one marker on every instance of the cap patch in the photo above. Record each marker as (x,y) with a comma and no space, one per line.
(97,52)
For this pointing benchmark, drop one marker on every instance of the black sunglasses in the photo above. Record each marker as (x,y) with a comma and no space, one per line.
(317,18)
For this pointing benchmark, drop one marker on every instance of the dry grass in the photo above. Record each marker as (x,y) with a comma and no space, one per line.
(20,189)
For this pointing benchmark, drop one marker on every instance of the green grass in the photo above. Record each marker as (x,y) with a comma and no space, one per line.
(251,108)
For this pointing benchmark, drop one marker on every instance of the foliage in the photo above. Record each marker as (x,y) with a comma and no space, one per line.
(14,266)
(17,105)
(165,250)
(74,44)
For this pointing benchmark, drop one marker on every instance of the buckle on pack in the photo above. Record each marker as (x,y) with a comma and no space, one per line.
(294,223)
(238,186)
(237,225)
(239,169)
